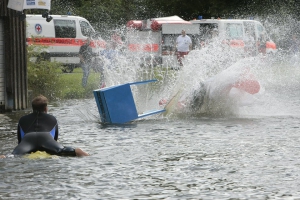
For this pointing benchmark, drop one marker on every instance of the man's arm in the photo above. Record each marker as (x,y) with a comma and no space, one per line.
(19,134)
(191,44)
(56,133)
(81,58)
(80,54)
(176,44)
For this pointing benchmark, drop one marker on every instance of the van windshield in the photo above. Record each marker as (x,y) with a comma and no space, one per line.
(234,31)
(65,28)
(86,29)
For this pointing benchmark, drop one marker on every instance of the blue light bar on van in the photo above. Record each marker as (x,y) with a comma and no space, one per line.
(199,17)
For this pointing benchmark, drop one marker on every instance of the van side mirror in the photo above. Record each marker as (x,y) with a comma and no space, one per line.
(46,15)
(48,19)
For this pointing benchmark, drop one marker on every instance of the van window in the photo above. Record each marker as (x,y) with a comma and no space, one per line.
(249,29)
(86,28)
(206,30)
(260,29)
(65,28)
(262,34)
(234,31)
(169,42)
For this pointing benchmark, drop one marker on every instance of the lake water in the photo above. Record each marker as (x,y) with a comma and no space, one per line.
(251,153)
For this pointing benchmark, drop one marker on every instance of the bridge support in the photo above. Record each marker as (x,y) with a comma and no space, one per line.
(13,60)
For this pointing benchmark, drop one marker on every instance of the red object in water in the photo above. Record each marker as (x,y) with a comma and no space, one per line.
(250,85)
(270,45)
(162,102)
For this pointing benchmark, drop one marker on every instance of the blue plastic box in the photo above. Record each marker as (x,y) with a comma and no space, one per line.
(116,104)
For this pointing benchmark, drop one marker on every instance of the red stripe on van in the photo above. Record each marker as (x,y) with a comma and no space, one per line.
(63,42)
(144,47)
(236,43)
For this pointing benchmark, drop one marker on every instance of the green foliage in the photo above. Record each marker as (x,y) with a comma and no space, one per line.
(42,76)
(45,77)
(107,14)
(70,85)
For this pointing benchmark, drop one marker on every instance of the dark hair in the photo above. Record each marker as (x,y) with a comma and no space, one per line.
(39,103)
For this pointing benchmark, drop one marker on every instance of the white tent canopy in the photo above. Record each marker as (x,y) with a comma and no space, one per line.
(171,18)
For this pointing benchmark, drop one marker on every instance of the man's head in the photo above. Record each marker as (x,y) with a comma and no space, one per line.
(39,104)
(183,33)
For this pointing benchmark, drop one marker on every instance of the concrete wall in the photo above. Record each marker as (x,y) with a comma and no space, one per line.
(2,80)
(13,60)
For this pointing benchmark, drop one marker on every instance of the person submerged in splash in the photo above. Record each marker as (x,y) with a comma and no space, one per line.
(38,131)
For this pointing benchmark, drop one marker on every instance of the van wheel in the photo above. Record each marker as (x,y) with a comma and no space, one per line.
(68,69)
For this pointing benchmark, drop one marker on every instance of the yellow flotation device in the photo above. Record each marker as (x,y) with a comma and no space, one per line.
(40,155)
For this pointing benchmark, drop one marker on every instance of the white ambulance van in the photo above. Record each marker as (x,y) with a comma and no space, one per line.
(62,37)
(248,35)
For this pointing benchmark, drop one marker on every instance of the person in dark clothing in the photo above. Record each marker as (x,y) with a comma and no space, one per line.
(86,55)
(38,120)
(38,131)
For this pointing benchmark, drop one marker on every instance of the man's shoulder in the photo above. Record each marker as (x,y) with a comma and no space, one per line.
(49,115)
(27,116)
(34,115)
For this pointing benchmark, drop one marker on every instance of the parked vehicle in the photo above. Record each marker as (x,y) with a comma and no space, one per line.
(62,36)
(248,35)
(153,40)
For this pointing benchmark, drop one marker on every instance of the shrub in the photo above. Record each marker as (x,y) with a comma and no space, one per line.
(42,75)
(45,77)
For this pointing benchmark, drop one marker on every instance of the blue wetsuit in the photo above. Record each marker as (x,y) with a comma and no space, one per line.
(38,131)
(37,122)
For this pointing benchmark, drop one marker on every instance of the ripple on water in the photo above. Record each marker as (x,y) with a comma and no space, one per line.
(208,158)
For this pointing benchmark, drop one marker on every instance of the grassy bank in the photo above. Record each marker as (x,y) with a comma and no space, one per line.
(71,88)
(48,79)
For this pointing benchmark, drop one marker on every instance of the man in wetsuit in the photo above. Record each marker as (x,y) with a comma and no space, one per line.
(38,120)
(38,131)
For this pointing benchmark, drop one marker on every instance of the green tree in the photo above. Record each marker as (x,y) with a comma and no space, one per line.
(107,14)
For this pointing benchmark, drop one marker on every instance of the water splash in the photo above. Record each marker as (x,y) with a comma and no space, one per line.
(205,81)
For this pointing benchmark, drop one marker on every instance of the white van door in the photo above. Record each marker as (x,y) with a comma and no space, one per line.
(64,30)
(2,71)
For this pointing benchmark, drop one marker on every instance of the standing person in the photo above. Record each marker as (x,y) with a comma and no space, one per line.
(38,131)
(262,40)
(85,55)
(183,45)
(249,43)
(116,40)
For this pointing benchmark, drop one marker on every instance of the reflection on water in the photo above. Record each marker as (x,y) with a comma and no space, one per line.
(159,158)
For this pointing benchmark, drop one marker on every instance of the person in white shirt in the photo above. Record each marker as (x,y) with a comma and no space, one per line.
(183,45)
